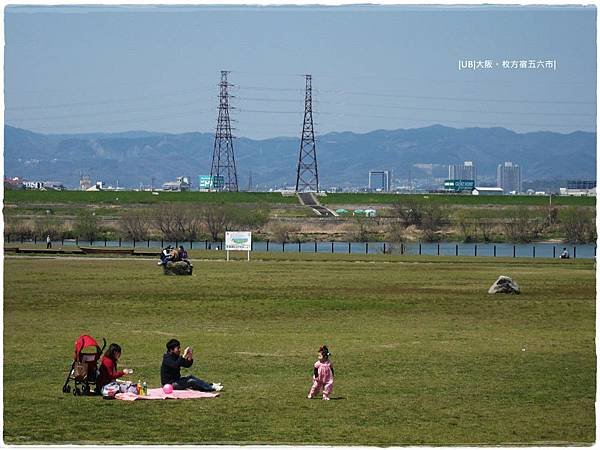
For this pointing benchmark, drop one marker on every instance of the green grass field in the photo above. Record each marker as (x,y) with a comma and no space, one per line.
(422,354)
(130,197)
(452,199)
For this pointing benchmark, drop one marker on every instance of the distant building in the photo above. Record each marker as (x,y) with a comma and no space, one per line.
(84,182)
(182,184)
(487,191)
(508,177)
(383,178)
(13,183)
(44,185)
(579,188)
(99,186)
(466,171)
(56,185)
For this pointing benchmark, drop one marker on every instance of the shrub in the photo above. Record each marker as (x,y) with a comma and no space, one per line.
(86,225)
(135,224)
(433,217)
(283,232)
(577,225)
(466,226)
(396,233)
(217,218)
(409,210)
(179,223)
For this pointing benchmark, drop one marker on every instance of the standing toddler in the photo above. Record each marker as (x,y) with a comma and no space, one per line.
(322,375)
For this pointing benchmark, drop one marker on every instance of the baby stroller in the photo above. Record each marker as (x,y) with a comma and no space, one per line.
(84,368)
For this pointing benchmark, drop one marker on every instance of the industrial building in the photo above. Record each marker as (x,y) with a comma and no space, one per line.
(181,184)
(480,190)
(579,188)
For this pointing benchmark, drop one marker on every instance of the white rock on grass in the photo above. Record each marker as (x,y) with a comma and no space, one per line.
(504,285)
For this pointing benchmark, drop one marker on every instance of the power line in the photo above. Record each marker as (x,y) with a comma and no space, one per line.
(267,112)
(264,99)
(462,99)
(261,88)
(112,112)
(459,99)
(105,102)
(94,86)
(120,122)
(476,111)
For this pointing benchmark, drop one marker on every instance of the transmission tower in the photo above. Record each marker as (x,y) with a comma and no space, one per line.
(308,175)
(222,172)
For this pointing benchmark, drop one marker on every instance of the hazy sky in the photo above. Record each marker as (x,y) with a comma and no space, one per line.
(157,68)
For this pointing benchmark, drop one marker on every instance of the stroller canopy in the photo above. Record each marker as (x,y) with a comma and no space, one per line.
(84,341)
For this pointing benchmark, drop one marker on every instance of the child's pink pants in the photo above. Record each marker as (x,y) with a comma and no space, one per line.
(318,385)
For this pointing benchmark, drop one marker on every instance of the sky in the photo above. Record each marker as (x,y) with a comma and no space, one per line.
(79,69)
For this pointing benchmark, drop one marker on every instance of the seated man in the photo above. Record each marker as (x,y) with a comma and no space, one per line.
(170,370)
(564,254)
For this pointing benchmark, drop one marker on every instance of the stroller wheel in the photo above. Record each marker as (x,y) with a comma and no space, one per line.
(76,392)
(86,390)
(66,389)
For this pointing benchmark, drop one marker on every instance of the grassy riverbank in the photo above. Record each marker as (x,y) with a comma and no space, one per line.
(423,355)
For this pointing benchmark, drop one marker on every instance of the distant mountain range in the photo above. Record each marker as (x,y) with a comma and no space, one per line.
(344,159)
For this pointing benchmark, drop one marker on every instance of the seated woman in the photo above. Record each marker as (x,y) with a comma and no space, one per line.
(174,255)
(108,372)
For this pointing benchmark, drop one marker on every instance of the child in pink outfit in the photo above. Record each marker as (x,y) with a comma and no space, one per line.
(323,375)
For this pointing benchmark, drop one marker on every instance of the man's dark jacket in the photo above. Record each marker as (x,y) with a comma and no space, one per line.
(170,370)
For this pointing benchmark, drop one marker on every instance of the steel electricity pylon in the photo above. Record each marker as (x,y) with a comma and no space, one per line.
(307,178)
(223,172)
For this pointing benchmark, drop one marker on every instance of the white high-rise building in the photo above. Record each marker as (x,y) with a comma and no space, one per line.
(464,171)
(508,177)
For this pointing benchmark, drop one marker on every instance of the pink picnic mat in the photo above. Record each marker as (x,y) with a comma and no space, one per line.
(158,394)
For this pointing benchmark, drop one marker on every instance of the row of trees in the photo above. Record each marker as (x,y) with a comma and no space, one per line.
(520,224)
(425,221)
(170,222)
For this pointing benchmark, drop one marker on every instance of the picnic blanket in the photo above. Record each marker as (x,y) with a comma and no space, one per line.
(158,394)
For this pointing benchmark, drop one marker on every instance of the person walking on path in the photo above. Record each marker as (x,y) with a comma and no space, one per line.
(48,242)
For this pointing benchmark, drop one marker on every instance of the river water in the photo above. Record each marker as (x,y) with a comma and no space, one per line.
(537,250)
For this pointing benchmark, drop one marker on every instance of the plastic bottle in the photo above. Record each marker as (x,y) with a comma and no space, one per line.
(139,387)
(144,388)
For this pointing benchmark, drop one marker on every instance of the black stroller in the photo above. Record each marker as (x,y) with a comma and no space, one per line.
(84,369)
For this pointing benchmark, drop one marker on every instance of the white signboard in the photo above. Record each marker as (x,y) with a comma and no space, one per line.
(239,241)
